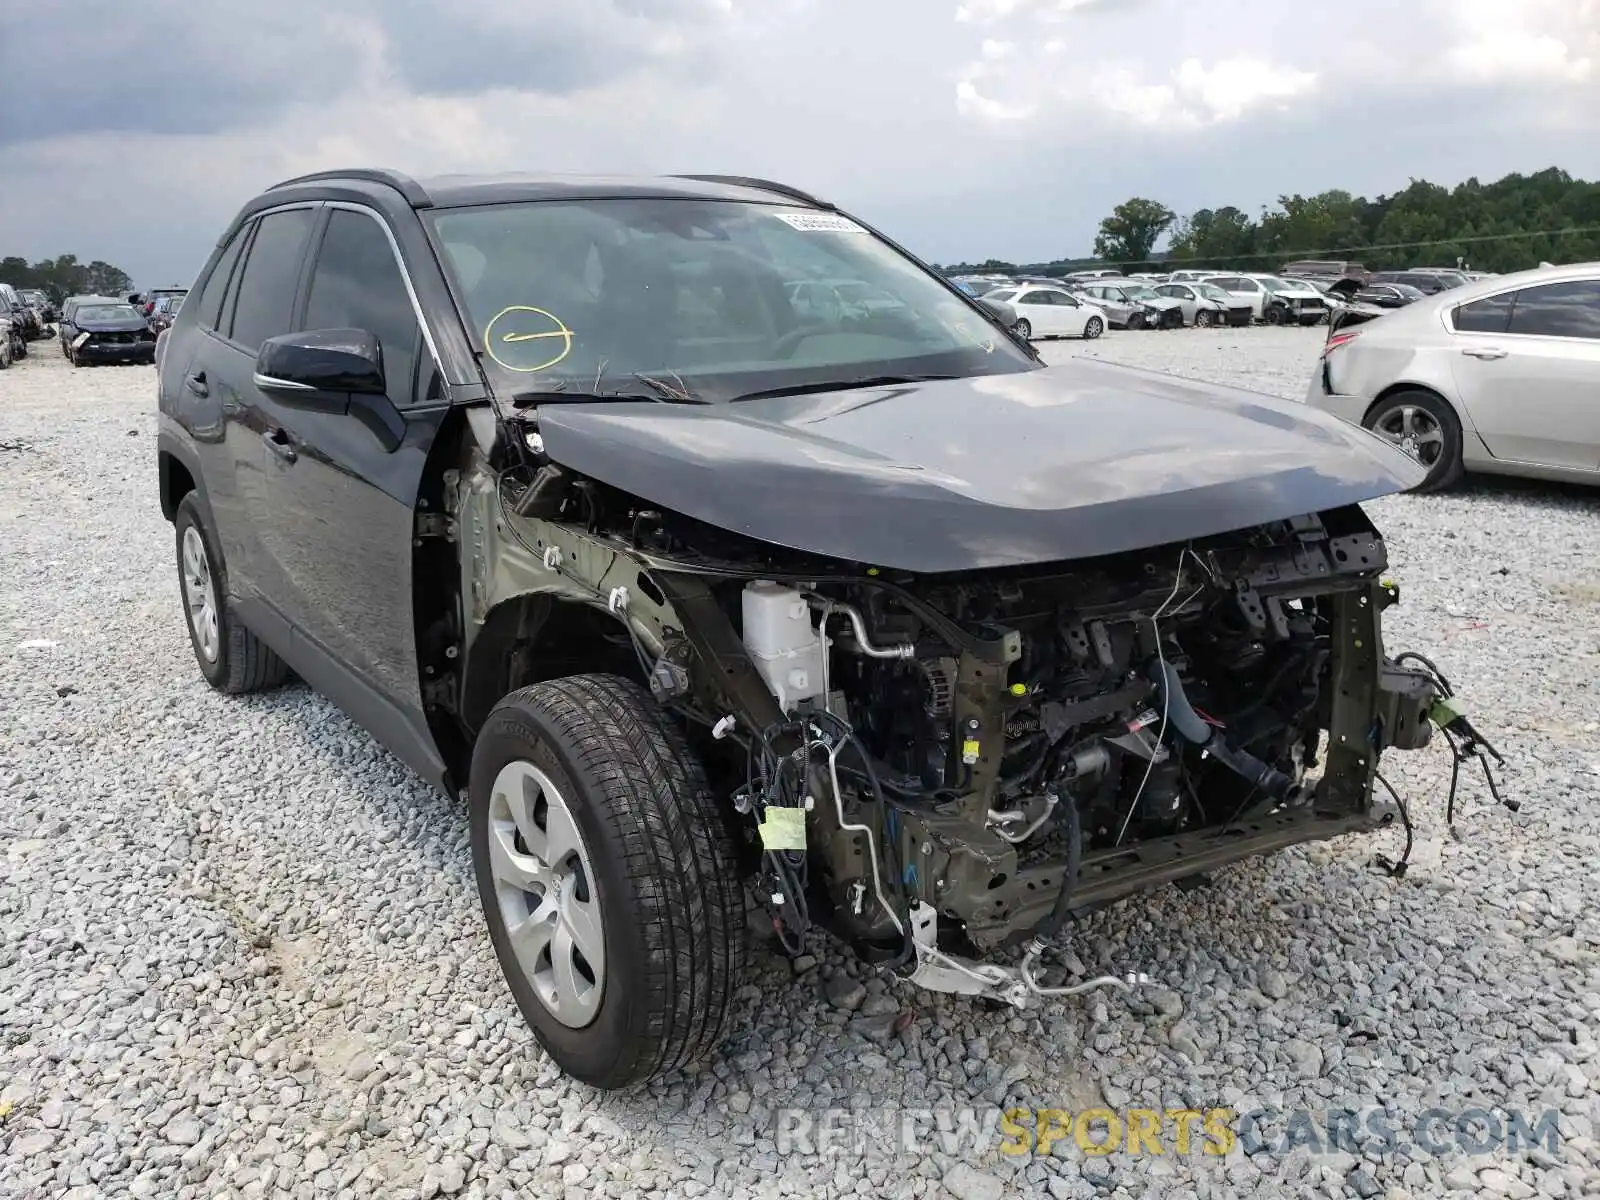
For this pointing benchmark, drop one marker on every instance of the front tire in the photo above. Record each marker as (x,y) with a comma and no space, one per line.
(1427,429)
(1202,319)
(608,878)
(1093,328)
(232,659)
(1273,315)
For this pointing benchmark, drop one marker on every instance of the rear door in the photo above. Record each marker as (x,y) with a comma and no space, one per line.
(1033,306)
(342,475)
(1528,369)
(257,303)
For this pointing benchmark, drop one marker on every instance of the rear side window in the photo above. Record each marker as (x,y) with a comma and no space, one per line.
(1492,314)
(1569,309)
(357,284)
(217,285)
(265,306)
(1035,298)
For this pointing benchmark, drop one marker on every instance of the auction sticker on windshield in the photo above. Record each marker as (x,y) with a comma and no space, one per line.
(810,222)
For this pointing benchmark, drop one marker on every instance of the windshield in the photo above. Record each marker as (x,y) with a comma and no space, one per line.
(106,312)
(1273,284)
(1210,291)
(1140,291)
(717,297)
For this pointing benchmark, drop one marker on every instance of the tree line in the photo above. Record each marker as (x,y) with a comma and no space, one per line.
(65,276)
(1507,225)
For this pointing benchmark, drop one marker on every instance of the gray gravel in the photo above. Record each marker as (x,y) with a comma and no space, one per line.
(241,956)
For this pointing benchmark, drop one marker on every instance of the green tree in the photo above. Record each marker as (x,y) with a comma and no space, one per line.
(1132,230)
(65,276)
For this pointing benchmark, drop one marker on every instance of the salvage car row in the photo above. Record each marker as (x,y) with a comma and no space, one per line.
(90,329)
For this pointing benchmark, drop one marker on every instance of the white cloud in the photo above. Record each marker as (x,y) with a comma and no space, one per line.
(1528,42)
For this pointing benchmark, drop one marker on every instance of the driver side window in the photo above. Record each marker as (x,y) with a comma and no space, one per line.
(356,284)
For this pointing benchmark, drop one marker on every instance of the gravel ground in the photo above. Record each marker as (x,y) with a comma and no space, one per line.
(241,954)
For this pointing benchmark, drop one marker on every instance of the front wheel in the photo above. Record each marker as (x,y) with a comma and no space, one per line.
(1202,319)
(1136,320)
(1023,329)
(1427,429)
(1273,315)
(1093,328)
(608,878)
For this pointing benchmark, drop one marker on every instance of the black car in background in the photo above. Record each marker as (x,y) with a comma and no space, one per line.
(65,330)
(42,303)
(24,318)
(1428,282)
(1389,295)
(112,332)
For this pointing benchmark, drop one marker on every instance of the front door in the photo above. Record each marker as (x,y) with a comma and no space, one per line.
(341,475)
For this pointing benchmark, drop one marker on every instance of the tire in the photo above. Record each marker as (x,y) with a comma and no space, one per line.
(652,865)
(5,351)
(1273,315)
(1136,320)
(1202,319)
(1024,329)
(19,349)
(1389,420)
(232,659)
(1093,328)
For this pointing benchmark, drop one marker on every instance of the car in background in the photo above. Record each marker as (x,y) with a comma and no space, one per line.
(1272,300)
(164,312)
(114,332)
(1052,312)
(1501,376)
(1338,277)
(1134,305)
(24,318)
(1192,274)
(10,340)
(1429,283)
(1203,305)
(1335,298)
(42,304)
(146,301)
(65,330)
(1389,295)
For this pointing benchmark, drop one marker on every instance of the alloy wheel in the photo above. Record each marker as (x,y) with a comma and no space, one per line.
(544,882)
(200,595)
(1414,430)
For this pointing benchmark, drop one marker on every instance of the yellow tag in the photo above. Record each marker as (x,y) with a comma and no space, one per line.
(783,828)
(1019,689)
(969,751)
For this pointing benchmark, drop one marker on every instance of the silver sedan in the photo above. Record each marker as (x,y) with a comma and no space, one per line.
(1498,376)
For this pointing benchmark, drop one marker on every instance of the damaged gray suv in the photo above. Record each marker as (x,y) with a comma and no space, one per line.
(708,600)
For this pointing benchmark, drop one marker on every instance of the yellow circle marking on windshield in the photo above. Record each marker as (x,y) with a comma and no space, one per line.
(542,326)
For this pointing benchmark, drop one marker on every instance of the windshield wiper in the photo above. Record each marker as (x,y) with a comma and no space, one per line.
(842,385)
(582,396)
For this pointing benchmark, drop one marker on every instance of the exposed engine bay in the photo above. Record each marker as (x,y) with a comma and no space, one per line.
(945,769)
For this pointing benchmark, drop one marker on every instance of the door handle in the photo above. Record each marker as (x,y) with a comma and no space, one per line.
(278,442)
(196,383)
(1485,352)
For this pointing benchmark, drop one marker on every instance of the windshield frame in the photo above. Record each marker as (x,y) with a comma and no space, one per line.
(1002,351)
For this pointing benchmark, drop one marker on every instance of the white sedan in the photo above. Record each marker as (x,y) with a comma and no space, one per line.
(1501,376)
(1047,312)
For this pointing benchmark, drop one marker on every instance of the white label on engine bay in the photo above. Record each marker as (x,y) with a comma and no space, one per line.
(813,222)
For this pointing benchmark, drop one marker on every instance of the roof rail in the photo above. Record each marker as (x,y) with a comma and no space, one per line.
(402,183)
(762,185)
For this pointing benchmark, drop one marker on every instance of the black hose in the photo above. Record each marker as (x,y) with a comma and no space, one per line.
(1056,918)
(1192,728)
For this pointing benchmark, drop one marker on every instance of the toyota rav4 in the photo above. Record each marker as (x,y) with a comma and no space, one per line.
(859,615)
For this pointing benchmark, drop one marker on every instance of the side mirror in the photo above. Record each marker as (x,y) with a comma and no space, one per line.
(302,369)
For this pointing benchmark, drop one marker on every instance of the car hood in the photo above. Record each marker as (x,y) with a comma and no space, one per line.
(1065,462)
(1161,302)
(111,324)
(1299,294)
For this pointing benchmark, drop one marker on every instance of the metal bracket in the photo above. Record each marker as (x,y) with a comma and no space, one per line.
(435,525)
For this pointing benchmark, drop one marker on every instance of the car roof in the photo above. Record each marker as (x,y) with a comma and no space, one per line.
(511,187)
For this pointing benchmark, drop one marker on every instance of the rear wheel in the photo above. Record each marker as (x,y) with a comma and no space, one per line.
(232,659)
(1425,428)
(1093,328)
(608,878)
(1023,328)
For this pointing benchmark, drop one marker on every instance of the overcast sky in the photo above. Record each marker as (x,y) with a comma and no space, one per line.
(132,131)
